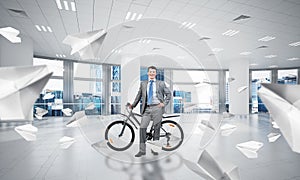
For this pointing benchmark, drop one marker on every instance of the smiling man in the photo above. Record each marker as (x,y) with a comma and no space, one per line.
(155,96)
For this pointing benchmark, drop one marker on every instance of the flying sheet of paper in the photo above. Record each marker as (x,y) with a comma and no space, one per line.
(241,89)
(10,34)
(22,87)
(227,115)
(90,106)
(66,142)
(67,111)
(86,44)
(28,132)
(250,148)
(275,125)
(208,168)
(48,96)
(273,137)
(280,101)
(227,129)
(206,123)
(75,118)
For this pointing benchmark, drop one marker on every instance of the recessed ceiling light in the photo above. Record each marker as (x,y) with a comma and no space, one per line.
(187,25)
(267,38)
(295,44)
(271,56)
(253,64)
(60,55)
(58,3)
(66,5)
(73,6)
(44,29)
(38,27)
(230,32)
(262,47)
(217,49)
(128,15)
(49,29)
(133,16)
(245,53)
(241,17)
(273,66)
(293,59)
(204,38)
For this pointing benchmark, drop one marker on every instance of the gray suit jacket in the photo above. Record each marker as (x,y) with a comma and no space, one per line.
(163,94)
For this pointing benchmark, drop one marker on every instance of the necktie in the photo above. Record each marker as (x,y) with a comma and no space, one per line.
(150,93)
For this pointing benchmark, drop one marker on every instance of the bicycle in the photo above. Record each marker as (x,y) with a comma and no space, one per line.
(120,134)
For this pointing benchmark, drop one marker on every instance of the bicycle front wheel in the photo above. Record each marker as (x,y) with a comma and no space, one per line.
(171,135)
(119,135)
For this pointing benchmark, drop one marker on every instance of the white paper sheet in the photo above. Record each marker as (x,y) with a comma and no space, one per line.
(28,132)
(250,148)
(66,142)
(273,137)
(22,88)
(227,129)
(10,34)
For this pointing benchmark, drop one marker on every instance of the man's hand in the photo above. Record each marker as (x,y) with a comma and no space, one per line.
(161,105)
(129,106)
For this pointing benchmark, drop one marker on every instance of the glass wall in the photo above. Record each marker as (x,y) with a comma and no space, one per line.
(88,87)
(115,101)
(51,97)
(195,91)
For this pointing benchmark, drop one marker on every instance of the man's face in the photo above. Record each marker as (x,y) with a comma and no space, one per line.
(152,73)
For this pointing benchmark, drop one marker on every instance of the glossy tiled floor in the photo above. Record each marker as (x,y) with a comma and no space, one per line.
(44,159)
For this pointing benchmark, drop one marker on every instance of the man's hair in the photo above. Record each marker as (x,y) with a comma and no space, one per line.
(152,67)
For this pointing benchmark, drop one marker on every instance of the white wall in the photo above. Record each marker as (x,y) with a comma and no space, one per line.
(239,102)
(18,54)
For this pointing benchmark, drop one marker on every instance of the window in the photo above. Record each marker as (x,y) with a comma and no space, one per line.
(289,76)
(88,87)
(258,77)
(53,102)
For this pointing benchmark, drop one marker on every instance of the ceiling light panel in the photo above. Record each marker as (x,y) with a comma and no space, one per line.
(266,38)
(43,28)
(66,5)
(230,32)
(217,49)
(245,53)
(294,44)
(271,56)
(293,59)
(187,25)
(130,16)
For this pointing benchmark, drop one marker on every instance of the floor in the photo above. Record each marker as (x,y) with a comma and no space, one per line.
(45,158)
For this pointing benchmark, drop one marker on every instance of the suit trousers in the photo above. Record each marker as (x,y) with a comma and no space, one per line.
(153,113)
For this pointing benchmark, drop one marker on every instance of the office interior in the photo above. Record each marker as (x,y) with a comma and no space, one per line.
(214,56)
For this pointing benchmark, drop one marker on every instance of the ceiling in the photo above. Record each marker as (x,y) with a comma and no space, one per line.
(278,19)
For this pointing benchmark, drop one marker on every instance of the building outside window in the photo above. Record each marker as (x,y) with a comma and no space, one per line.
(288,76)
(51,97)
(258,77)
(88,87)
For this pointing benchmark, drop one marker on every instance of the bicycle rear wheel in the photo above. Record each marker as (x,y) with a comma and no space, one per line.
(171,135)
(119,135)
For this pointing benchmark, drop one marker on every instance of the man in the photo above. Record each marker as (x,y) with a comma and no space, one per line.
(155,96)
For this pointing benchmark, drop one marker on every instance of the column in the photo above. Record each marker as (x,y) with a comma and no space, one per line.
(16,54)
(222,91)
(68,85)
(239,101)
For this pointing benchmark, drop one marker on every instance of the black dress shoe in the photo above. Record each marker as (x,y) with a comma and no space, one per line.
(139,154)
(154,152)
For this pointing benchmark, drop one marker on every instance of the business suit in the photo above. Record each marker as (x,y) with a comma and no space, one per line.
(151,112)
